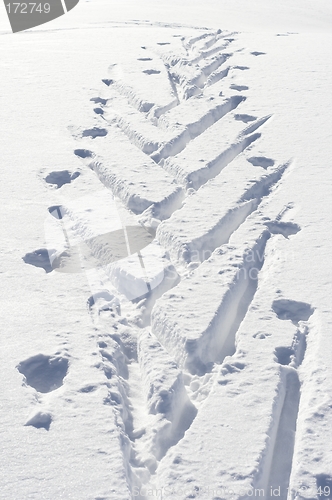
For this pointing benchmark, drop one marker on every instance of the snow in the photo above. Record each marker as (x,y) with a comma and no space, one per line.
(189,354)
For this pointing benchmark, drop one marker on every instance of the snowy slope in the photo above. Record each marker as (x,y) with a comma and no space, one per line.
(165,260)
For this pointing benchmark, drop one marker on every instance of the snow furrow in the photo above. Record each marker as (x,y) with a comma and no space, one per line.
(209,338)
(126,172)
(283,442)
(206,40)
(192,331)
(216,76)
(192,53)
(175,128)
(190,72)
(145,389)
(115,352)
(189,43)
(129,82)
(253,378)
(203,117)
(192,79)
(277,463)
(209,52)
(94,236)
(206,156)
(165,394)
(237,192)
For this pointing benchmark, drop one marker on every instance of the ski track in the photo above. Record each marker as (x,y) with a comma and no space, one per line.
(277,464)
(198,146)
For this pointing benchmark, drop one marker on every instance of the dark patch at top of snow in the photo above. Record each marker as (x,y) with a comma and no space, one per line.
(70,4)
(324,486)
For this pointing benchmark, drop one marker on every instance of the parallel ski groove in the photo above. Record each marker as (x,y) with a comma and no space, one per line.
(172,133)
(195,128)
(278,460)
(216,316)
(130,183)
(202,232)
(191,80)
(206,156)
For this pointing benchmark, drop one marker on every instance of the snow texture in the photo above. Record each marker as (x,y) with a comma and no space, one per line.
(165,260)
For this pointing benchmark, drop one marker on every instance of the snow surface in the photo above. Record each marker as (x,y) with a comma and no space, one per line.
(165,259)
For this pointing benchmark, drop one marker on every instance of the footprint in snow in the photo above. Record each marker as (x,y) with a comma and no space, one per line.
(40,258)
(99,100)
(151,72)
(239,87)
(284,355)
(44,373)
(40,420)
(94,132)
(245,118)
(233,367)
(293,310)
(83,153)
(284,228)
(61,177)
(107,81)
(104,301)
(261,161)
(261,335)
